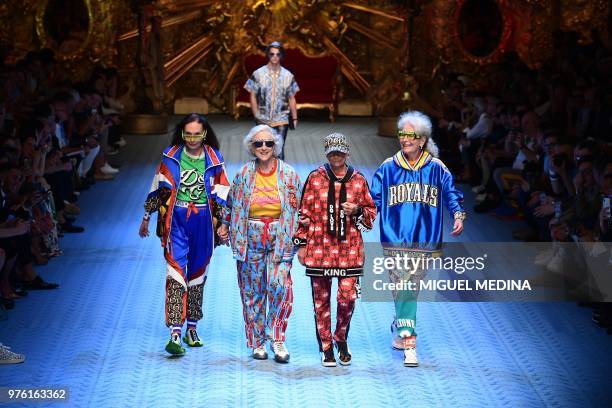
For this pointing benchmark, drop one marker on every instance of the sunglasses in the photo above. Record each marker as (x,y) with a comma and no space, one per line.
(260,143)
(274,54)
(193,137)
(408,134)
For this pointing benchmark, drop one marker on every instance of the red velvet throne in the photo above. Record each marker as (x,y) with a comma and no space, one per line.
(316,78)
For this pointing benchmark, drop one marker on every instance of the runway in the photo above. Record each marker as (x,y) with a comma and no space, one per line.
(102,333)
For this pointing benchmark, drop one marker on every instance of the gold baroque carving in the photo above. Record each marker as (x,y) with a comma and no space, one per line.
(584,17)
(23,30)
(98,44)
(41,30)
(446,36)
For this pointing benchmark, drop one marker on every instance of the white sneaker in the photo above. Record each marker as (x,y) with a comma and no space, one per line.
(480,197)
(260,353)
(121,142)
(478,189)
(108,169)
(555,265)
(410,357)
(281,355)
(111,151)
(543,258)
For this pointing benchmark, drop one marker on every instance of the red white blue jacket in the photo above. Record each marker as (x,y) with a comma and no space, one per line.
(409,201)
(168,176)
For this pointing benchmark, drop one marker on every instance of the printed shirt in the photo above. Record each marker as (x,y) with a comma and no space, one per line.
(272,90)
(192,187)
(265,201)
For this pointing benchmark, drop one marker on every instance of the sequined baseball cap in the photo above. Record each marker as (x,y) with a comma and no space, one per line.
(336,142)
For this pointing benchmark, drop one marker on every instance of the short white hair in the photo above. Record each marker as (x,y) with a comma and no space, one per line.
(422,126)
(248,139)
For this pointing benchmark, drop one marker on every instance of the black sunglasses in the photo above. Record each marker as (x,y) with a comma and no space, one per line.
(260,143)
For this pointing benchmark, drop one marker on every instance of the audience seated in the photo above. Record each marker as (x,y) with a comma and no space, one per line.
(55,138)
(535,146)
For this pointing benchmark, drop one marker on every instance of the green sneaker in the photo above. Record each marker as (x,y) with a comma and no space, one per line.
(174,346)
(192,339)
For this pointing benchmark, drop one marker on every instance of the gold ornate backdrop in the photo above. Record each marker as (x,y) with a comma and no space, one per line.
(387,50)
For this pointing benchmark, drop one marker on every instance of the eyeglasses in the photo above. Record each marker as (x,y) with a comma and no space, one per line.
(193,137)
(409,134)
(260,143)
(274,54)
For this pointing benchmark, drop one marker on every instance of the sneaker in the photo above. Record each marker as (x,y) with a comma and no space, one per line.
(121,142)
(260,353)
(192,339)
(39,284)
(174,346)
(111,151)
(481,197)
(478,189)
(327,358)
(8,357)
(410,357)
(73,229)
(544,257)
(281,355)
(344,353)
(108,169)
(555,264)
(103,176)
(71,208)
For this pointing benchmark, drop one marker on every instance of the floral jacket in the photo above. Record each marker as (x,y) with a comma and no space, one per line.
(236,212)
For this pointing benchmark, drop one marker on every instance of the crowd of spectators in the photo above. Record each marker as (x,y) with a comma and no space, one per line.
(55,140)
(535,145)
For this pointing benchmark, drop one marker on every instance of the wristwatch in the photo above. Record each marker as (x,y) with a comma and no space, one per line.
(460,215)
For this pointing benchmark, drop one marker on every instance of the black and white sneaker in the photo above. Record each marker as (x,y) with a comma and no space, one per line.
(281,355)
(344,353)
(259,353)
(327,358)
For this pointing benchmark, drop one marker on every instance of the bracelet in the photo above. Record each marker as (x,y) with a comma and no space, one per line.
(146,217)
(460,215)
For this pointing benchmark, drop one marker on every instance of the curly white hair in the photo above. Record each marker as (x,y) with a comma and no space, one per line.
(422,126)
(248,139)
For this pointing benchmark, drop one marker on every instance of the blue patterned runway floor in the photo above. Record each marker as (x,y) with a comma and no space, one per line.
(102,333)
